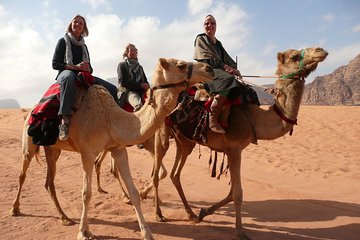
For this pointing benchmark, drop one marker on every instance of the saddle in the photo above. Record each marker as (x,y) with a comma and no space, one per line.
(192,119)
(44,119)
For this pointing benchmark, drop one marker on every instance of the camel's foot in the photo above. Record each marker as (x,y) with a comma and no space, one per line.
(146,233)
(126,199)
(100,190)
(15,212)
(192,217)
(242,236)
(144,192)
(86,235)
(160,218)
(203,213)
(65,221)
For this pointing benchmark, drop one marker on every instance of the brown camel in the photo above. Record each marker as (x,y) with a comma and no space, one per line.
(95,127)
(247,123)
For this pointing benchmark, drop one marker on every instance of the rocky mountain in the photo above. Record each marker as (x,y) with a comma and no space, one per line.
(342,87)
(9,103)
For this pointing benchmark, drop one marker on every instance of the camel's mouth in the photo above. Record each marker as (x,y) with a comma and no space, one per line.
(320,54)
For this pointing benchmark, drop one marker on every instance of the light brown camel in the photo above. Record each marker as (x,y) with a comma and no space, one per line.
(246,124)
(95,127)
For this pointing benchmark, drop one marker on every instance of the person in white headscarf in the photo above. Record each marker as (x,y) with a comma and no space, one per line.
(132,79)
(209,49)
(71,57)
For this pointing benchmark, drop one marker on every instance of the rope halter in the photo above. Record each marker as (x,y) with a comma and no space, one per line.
(185,83)
(299,73)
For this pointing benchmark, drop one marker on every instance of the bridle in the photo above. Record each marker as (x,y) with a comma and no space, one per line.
(299,74)
(185,83)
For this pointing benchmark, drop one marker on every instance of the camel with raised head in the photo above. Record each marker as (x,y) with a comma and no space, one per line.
(99,124)
(247,123)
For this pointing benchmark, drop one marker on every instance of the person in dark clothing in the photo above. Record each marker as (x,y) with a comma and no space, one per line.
(71,56)
(210,50)
(132,79)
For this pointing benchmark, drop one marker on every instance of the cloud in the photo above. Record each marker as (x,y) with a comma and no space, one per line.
(269,49)
(25,59)
(196,7)
(95,3)
(341,56)
(28,45)
(337,57)
(356,28)
(329,17)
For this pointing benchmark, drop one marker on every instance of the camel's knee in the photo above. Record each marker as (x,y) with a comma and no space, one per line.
(238,197)
(175,179)
(86,196)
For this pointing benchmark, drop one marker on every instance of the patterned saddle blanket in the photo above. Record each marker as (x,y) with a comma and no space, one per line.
(192,119)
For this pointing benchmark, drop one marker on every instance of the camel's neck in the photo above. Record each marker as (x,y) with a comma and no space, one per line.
(133,128)
(288,98)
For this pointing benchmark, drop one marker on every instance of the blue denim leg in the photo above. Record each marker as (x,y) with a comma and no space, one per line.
(67,81)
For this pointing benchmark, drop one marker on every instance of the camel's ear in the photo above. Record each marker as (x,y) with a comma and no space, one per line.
(281,57)
(163,63)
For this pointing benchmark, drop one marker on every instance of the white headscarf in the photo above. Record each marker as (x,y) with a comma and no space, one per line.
(69,38)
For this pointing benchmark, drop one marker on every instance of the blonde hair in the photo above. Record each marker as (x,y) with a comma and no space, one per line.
(127,49)
(85,33)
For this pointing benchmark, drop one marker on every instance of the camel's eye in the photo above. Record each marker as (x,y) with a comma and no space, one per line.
(181,66)
(295,56)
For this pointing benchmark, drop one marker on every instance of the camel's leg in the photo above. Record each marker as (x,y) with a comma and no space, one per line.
(162,174)
(87,164)
(183,150)
(28,152)
(114,171)
(51,157)
(98,161)
(122,165)
(234,159)
(208,211)
(161,146)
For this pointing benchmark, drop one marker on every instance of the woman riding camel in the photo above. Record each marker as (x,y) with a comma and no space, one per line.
(71,57)
(210,50)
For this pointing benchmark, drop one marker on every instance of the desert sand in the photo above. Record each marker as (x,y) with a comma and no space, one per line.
(299,187)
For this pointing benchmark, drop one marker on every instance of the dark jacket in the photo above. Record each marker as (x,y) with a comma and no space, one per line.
(125,80)
(58,62)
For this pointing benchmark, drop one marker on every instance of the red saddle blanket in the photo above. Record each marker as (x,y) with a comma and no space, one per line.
(44,119)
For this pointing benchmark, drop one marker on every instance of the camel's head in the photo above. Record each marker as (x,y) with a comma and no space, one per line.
(299,63)
(173,71)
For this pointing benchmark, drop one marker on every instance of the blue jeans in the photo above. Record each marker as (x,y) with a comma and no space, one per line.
(67,81)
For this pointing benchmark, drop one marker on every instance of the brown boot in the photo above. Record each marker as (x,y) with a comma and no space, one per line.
(215,110)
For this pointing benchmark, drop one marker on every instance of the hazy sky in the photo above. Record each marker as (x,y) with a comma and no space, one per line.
(252,30)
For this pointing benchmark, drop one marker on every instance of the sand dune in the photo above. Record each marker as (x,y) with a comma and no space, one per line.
(300,187)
